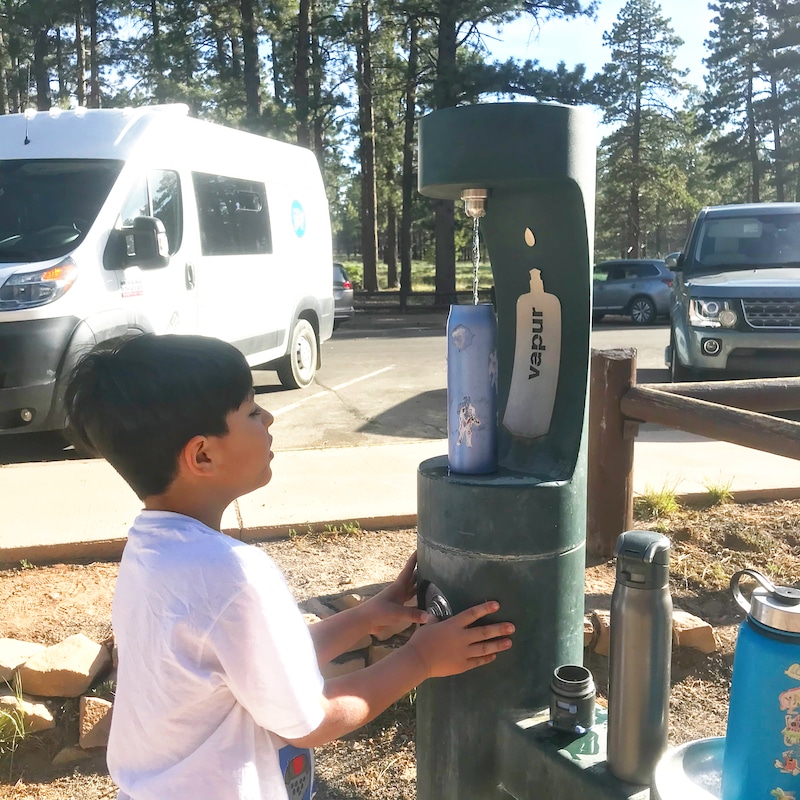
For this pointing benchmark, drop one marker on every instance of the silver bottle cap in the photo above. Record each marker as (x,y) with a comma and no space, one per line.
(776,607)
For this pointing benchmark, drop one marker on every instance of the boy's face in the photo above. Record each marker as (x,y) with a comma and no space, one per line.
(246,449)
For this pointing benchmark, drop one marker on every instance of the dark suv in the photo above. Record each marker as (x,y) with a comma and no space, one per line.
(638,288)
(736,303)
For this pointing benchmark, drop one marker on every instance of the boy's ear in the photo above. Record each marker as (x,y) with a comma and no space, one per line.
(195,457)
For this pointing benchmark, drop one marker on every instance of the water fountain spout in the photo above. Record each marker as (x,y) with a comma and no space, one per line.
(474,202)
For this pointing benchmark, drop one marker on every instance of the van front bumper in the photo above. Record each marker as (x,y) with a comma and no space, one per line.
(761,352)
(31,355)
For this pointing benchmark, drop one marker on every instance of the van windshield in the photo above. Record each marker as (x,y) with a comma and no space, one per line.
(48,205)
(766,240)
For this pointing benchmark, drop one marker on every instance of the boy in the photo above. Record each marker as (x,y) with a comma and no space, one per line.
(218,677)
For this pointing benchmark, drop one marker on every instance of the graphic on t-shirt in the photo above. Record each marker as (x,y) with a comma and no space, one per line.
(298,772)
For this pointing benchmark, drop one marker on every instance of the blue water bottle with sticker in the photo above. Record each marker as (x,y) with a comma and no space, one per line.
(762,743)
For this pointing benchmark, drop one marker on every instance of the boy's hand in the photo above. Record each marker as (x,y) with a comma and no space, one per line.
(451,647)
(387,609)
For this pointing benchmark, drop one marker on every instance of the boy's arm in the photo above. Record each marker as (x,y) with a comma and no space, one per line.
(436,650)
(334,635)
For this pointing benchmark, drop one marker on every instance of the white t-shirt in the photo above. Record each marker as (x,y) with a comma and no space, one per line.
(215,664)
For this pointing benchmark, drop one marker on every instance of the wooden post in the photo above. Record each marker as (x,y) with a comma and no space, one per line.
(610,469)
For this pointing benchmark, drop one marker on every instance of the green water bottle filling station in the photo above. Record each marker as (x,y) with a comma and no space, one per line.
(517,533)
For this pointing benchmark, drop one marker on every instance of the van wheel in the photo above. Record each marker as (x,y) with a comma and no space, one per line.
(296,369)
(643,311)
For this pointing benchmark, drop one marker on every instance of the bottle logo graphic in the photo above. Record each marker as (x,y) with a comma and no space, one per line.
(537,357)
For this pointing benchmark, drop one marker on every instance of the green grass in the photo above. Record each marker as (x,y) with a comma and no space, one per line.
(423,275)
(12,729)
(719,491)
(654,503)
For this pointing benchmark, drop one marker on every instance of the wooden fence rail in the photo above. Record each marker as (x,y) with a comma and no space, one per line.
(729,411)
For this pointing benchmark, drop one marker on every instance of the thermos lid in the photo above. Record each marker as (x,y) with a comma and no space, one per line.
(776,607)
(642,559)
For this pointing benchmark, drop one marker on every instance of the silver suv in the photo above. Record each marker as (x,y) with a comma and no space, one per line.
(636,287)
(736,300)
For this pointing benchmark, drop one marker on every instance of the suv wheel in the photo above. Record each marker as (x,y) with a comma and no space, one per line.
(677,372)
(642,311)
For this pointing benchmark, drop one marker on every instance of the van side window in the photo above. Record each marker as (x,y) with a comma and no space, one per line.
(158,196)
(165,201)
(233,215)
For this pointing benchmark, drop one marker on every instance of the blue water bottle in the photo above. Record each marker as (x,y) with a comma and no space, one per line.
(762,743)
(472,389)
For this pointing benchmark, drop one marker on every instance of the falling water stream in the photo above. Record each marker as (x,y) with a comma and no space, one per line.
(476,258)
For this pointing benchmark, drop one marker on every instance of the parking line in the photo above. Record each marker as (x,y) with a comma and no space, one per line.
(362,378)
(324,392)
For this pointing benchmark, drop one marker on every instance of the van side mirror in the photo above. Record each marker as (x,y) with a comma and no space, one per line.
(142,244)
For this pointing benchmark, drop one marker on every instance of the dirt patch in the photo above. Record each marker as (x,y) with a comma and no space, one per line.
(46,604)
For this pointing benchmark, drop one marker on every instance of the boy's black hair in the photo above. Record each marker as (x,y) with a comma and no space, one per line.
(137,402)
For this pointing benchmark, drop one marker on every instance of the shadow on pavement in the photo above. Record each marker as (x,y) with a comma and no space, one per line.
(32,447)
(423,416)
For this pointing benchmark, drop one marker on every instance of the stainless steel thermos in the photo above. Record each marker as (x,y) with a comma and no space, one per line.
(762,743)
(640,656)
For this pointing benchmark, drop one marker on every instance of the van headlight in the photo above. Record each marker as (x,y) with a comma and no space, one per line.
(712,314)
(29,289)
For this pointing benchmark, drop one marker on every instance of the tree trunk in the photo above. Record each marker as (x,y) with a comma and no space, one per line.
(62,89)
(752,143)
(158,55)
(317,116)
(390,247)
(780,164)
(277,83)
(4,106)
(302,71)
(633,242)
(445,93)
(94,58)
(16,96)
(252,83)
(366,118)
(80,57)
(236,61)
(41,76)
(408,165)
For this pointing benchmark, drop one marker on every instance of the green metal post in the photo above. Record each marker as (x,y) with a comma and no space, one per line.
(517,535)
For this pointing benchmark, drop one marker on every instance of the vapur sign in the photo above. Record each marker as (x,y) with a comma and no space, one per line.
(537,355)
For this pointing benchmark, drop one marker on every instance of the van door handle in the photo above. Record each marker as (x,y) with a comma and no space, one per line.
(189,275)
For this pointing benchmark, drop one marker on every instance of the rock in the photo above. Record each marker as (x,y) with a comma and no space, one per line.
(335,669)
(391,630)
(94,722)
(14,652)
(588,632)
(66,669)
(364,641)
(377,652)
(347,601)
(601,621)
(315,606)
(69,755)
(691,631)
(36,715)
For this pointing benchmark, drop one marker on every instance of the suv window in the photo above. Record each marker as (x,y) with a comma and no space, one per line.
(752,241)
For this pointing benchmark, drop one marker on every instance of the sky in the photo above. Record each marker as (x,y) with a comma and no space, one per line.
(580,40)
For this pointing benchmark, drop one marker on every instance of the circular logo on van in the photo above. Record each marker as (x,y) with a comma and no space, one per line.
(298,218)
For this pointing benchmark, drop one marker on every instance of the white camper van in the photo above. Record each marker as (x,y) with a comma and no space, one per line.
(117,221)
